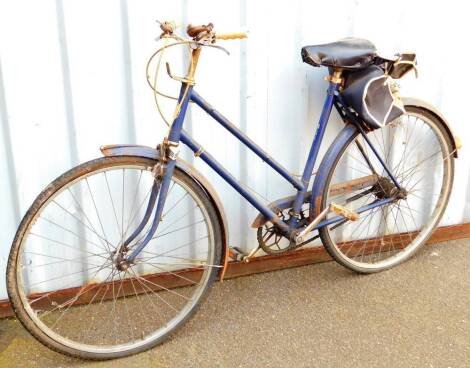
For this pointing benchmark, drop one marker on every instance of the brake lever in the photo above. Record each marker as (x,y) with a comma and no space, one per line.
(216,47)
(167,28)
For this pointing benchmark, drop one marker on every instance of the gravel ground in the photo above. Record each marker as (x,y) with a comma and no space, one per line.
(415,315)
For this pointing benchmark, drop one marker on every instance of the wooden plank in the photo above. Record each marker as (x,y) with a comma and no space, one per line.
(296,258)
(105,291)
(308,256)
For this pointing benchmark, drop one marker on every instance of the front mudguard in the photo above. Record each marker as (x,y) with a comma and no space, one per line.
(152,153)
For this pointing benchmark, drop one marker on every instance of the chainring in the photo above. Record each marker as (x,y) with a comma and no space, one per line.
(270,239)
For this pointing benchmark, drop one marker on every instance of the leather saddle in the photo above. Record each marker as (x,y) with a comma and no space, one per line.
(348,53)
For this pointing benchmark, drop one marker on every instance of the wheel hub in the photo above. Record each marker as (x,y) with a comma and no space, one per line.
(118,259)
(123,265)
(385,188)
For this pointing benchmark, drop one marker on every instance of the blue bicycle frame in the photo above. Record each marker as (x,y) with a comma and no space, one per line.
(177,135)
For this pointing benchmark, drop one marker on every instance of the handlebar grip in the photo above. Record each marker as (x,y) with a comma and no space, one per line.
(231,36)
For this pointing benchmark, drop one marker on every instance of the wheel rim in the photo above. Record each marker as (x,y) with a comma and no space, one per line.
(416,150)
(179,265)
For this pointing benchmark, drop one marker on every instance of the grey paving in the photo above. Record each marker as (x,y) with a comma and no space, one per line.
(416,315)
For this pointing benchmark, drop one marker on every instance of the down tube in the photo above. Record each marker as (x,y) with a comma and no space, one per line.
(230,179)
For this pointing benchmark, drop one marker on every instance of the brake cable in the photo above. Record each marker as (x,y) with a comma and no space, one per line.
(168,33)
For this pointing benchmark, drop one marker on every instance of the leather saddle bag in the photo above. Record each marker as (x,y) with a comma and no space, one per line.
(371,93)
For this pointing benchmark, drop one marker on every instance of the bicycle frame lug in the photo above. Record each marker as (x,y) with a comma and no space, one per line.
(169,150)
(159,170)
(199,152)
(294,214)
(173,152)
(336,77)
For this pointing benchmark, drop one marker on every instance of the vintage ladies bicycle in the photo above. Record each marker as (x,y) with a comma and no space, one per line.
(117,253)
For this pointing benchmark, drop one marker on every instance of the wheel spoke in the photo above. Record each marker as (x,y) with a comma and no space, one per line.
(414,150)
(71,273)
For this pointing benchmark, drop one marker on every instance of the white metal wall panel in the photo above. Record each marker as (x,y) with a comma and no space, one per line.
(72,77)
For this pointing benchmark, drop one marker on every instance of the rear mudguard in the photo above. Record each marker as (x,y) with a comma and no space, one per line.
(347,134)
(152,153)
(343,138)
(455,141)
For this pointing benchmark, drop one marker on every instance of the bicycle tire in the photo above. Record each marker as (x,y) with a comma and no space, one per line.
(87,169)
(371,262)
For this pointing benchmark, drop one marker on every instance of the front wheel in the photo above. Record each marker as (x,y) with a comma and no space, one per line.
(63,276)
(417,149)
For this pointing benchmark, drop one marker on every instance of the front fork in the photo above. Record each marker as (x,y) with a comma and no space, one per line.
(164,169)
(163,172)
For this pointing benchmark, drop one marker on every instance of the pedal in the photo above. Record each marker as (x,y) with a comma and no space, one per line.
(343,211)
(238,255)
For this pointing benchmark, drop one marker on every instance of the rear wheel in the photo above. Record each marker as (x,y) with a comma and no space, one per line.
(63,275)
(417,149)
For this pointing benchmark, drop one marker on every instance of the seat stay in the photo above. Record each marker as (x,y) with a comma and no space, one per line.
(369,143)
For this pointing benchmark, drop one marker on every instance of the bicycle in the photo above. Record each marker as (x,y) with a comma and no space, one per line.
(117,253)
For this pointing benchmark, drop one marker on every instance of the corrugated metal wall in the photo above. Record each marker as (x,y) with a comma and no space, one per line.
(72,77)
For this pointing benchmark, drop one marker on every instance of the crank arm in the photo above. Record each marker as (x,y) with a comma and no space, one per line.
(239,255)
(333,207)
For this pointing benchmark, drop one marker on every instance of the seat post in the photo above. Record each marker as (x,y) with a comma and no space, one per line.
(335,76)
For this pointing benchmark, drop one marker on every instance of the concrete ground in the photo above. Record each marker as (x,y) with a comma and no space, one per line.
(415,315)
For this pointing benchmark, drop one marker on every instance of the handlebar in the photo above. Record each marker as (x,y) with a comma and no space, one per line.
(199,33)
(231,36)
(207,32)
